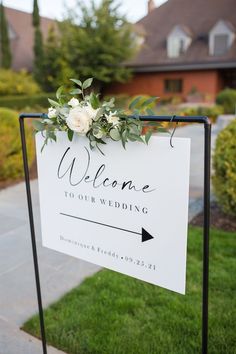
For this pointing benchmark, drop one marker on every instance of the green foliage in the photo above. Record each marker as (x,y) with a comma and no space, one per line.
(11,165)
(55,69)
(110,313)
(5,54)
(97,43)
(36,17)
(32,102)
(227,99)
(17,83)
(97,120)
(38,46)
(210,112)
(38,56)
(224,163)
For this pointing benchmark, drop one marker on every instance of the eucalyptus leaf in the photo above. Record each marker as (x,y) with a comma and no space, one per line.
(123,141)
(87,83)
(115,134)
(99,113)
(53,103)
(38,125)
(77,82)
(148,136)
(59,92)
(136,137)
(70,134)
(76,92)
(94,101)
(52,136)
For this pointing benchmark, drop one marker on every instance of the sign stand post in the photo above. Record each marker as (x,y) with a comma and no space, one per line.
(206,225)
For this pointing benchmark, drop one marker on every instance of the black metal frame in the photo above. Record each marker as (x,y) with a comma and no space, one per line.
(206,225)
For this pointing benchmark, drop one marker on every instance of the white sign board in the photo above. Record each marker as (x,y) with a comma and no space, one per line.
(127,210)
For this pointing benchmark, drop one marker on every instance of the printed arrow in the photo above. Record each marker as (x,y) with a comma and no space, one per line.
(145,235)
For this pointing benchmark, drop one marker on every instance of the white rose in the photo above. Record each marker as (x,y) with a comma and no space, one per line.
(78,120)
(114,120)
(52,112)
(91,111)
(74,102)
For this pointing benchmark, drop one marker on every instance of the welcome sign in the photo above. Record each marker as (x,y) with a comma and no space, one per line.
(126,210)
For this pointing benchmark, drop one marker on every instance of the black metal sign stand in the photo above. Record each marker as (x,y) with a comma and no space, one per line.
(206,225)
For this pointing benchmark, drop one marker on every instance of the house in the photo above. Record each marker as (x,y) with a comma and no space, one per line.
(21,34)
(187,47)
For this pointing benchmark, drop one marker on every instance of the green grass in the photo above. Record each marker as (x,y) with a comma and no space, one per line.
(114,314)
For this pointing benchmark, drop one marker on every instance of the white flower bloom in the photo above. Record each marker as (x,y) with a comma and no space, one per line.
(74,102)
(79,120)
(52,112)
(91,111)
(112,119)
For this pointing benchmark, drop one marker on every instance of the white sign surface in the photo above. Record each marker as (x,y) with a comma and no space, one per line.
(127,210)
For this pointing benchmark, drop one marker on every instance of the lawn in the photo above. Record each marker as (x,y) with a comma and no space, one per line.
(115,314)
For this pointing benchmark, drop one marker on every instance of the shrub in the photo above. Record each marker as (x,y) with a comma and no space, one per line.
(17,83)
(224,163)
(11,166)
(227,99)
(210,112)
(26,101)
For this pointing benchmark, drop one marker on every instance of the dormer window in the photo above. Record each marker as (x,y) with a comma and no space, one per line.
(138,35)
(178,41)
(221,38)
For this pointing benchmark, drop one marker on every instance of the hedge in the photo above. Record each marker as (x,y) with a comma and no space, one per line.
(20,102)
(17,83)
(11,166)
(224,164)
(227,99)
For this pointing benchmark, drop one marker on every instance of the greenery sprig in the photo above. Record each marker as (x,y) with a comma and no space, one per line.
(85,114)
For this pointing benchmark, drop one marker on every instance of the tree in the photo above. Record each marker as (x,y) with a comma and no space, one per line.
(38,45)
(55,69)
(5,54)
(98,43)
(36,17)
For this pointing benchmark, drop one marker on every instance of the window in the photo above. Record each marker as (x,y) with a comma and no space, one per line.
(178,41)
(221,38)
(173,85)
(220,44)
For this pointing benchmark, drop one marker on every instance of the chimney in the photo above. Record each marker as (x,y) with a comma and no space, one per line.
(151,6)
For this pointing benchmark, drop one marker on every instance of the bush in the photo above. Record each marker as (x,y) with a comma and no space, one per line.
(11,166)
(227,99)
(17,83)
(210,112)
(224,163)
(26,101)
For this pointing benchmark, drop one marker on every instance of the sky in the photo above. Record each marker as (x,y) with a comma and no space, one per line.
(134,9)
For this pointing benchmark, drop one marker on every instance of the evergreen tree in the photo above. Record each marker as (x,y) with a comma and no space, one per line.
(38,45)
(5,54)
(36,17)
(98,44)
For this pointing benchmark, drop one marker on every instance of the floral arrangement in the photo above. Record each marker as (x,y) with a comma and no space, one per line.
(86,115)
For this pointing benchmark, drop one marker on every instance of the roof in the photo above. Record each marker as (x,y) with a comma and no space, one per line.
(198,17)
(22,36)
